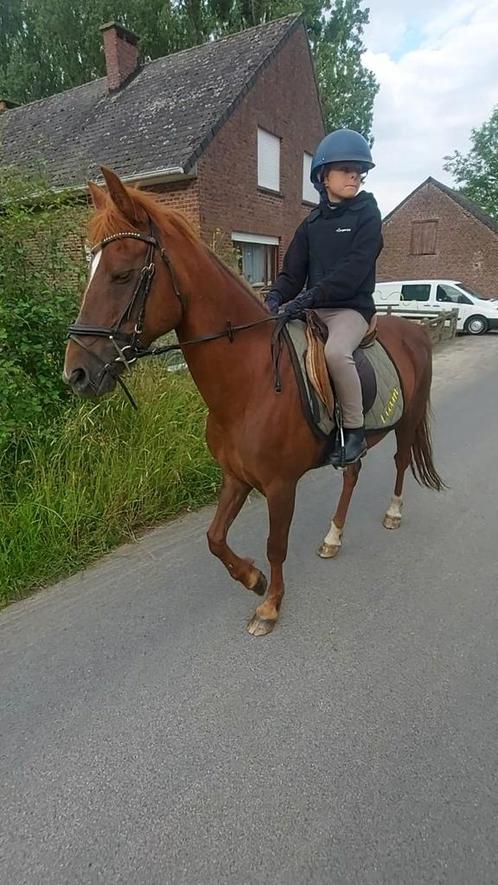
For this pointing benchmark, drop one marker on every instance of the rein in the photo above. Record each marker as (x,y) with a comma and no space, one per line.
(124,342)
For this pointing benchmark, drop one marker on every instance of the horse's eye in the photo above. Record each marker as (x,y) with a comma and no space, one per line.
(123,277)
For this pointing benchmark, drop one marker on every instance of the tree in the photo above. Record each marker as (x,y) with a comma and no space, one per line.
(47,46)
(476,173)
(347,88)
(51,45)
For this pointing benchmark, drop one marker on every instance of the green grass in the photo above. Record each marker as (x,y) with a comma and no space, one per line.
(107,472)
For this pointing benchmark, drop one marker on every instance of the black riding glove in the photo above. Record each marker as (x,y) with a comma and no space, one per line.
(273,302)
(295,308)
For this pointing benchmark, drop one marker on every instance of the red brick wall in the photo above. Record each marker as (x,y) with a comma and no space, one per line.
(183,196)
(283,101)
(466,249)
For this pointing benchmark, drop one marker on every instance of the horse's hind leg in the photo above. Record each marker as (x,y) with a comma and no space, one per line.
(281,501)
(333,539)
(233,494)
(404,438)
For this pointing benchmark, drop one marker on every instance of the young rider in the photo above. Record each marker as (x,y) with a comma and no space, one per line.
(333,255)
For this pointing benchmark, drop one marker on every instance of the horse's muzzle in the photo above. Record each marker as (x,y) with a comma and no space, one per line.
(84,385)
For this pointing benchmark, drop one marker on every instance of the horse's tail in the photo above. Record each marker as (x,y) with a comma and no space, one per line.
(421,457)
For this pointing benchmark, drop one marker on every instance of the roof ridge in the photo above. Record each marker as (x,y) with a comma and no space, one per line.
(227,37)
(458,197)
(292,16)
(68,130)
(29,104)
(405,199)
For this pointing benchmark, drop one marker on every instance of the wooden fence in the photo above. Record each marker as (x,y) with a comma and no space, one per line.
(442,324)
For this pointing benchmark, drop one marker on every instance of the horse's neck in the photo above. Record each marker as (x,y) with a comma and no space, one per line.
(222,371)
(215,298)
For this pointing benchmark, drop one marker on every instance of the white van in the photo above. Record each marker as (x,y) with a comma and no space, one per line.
(475,315)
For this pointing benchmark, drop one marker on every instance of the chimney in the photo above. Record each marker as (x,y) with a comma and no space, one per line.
(121,54)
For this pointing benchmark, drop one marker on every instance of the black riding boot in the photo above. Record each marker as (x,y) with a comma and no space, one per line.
(355,444)
(355,447)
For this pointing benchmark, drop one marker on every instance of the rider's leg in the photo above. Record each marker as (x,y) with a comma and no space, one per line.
(347,328)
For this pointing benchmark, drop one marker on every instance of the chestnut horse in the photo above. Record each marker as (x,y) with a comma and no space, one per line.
(151,273)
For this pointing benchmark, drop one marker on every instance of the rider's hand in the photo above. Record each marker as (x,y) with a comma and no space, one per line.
(295,308)
(273,302)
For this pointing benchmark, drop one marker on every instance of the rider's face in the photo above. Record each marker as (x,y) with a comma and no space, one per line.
(343,181)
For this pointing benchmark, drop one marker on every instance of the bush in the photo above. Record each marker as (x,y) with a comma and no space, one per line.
(40,279)
(65,503)
(76,478)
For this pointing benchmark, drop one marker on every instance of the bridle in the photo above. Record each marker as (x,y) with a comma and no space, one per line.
(127,345)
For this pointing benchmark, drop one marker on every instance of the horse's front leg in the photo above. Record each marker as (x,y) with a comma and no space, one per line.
(233,494)
(280,508)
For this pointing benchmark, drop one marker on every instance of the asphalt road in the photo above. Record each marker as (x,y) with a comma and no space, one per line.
(146,738)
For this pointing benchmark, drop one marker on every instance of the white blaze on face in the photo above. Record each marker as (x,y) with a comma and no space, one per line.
(93,269)
(94,265)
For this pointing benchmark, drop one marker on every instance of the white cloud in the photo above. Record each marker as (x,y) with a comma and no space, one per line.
(390,20)
(431,95)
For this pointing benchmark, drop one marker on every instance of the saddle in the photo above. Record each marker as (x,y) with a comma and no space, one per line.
(382,393)
(316,366)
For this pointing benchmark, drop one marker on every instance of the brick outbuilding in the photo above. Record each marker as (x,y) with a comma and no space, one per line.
(436,232)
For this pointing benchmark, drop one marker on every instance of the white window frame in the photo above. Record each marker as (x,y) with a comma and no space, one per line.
(240,237)
(309,191)
(257,239)
(268,160)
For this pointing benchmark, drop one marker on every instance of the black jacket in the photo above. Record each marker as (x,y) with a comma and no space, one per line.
(333,254)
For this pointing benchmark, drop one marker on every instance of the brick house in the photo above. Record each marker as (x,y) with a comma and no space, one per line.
(436,232)
(224,132)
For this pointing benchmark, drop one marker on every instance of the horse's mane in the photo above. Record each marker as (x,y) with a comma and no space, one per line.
(109,220)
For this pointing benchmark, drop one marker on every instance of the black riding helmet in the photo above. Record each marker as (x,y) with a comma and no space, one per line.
(341,146)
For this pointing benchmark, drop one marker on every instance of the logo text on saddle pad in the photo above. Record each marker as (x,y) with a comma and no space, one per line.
(390,405)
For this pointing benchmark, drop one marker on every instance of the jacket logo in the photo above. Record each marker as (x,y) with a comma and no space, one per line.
(343,230)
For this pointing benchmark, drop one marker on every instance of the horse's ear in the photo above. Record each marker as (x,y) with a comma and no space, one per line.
(97,194)
(119,195)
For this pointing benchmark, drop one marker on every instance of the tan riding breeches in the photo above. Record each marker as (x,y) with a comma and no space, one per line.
(347,328)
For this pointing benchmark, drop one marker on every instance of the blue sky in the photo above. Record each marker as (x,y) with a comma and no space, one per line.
(410,40)
(437,65)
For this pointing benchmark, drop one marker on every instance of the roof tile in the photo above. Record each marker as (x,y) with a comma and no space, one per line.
(163,118)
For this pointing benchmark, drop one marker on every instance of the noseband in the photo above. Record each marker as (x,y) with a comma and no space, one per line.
(130,341)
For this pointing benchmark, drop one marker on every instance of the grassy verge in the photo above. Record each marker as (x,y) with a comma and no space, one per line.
(107,472)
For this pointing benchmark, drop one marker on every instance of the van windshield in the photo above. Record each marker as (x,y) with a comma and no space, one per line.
(447,293)
(469,290)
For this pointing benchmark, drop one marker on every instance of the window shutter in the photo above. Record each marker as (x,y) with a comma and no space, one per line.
(268,160)
(424,237)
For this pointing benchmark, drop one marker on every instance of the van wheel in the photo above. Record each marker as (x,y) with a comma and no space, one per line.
(476,325)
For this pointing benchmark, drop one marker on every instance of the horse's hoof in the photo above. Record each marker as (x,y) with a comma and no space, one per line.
(391,522)
(260,626)
(328,551)
(260,586)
